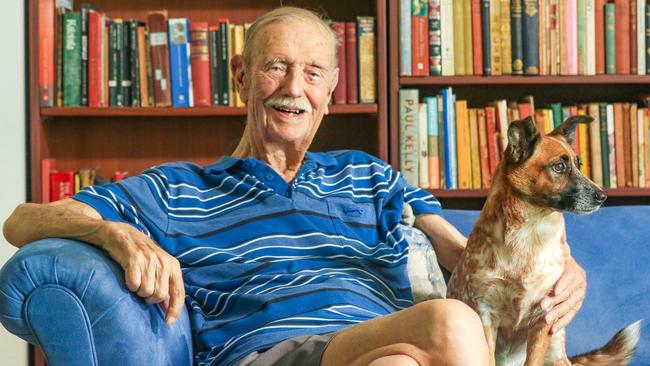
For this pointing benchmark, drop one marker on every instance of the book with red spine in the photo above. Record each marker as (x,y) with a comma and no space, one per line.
(47,167)
(46,42)
(420,37)
(160,58)
(200,60)
(61,185)
(341,92)
(96,23)
(622,37)
(477,37)
(633,37)
(600,36)
(351,62)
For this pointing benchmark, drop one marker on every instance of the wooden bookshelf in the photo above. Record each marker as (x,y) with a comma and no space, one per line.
(481,90)
(133,139)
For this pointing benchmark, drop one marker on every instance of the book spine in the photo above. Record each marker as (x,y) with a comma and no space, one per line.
(408,135)
(477,38)
(604,144)
(126,63)
(435,39)
(487,38)
(623,37)
(447,40)
(581,36)
(85,12)
(590,45)
(459,38)
(610,39)
(95,49)
(451,172)
(647,39)
(200,61)
(142,65)
(112,64)
(599,16)
(134,64)
(46,44)
(474,148)
(646,148)
(543,38)
(351,62)
(432,142)
(72,60)
(641,143)
(62,183)
(238,46)
(640,37)
(405,37)
(495,34)
(419,37)
(557,114)
(516,36)
(634,145)
(506,41)
(467,32)
(571,28)
(554,38)
(632,37)
(491,129)
(59,59)
(594,145)
(423,147)
(158,41)
(441,141)
(462,146)
(340,92)
(178,39)
(214,63)
(223,62)
(150,76)
(367,63)
(483,148)
(611,144)
(530,23)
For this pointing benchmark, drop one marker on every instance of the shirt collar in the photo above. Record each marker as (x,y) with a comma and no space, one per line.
(321,158)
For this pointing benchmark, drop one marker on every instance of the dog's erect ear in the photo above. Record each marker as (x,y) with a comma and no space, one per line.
(522,137)
(568,127)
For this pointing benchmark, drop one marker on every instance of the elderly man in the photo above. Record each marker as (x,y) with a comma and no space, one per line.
(283,256)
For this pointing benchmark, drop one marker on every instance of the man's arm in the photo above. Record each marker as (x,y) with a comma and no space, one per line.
(447,241)
(149,270)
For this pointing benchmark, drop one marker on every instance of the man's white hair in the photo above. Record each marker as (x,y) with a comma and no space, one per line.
(281,14)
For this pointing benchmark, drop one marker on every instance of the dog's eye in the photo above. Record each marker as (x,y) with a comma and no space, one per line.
(559,167)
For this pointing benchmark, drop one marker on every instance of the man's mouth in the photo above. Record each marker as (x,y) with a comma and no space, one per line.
(290,110)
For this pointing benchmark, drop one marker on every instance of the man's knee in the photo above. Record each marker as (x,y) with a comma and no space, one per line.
(394,360)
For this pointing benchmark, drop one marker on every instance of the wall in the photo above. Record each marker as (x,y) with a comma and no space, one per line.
(13,159)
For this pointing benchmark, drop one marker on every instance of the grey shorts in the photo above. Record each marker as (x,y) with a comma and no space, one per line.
(298,351)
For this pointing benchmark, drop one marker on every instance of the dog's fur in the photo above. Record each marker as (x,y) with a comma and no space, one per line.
(515,256)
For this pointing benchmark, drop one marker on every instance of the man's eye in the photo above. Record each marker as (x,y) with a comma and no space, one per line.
(559,167)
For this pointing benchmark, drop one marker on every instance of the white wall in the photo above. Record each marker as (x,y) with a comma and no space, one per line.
(13,160)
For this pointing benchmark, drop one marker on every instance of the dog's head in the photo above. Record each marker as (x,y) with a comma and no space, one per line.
(546,171)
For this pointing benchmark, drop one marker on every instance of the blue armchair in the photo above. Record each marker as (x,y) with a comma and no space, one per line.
(70,298)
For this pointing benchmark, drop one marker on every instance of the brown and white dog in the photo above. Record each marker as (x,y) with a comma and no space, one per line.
(514,254)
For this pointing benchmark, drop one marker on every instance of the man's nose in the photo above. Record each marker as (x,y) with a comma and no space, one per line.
(292,84)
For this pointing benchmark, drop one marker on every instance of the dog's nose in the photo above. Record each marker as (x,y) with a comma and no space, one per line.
(600,196)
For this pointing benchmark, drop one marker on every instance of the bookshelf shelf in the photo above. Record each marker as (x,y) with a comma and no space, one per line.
(482,193)
(525,80)
(336,109)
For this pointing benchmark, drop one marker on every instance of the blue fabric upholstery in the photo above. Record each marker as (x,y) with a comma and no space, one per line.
(613,246)
(70,297)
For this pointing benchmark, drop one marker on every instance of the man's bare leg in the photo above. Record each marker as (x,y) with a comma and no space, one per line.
(434,332)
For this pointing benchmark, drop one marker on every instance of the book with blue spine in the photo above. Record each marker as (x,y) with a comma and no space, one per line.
(432,139)
(530,27)
(487,46)
(179,61)
(449,118)
(405,37)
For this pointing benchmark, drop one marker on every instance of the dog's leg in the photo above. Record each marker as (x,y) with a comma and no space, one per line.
(490,330)
(556,355)
(539,341)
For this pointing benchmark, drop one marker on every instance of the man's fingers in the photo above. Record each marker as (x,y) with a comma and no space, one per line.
(566,280)
(176,295)
(133,275)
(161,291)
(571,305)
(148,284)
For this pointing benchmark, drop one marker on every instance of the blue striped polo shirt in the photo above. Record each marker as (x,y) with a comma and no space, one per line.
(264,260)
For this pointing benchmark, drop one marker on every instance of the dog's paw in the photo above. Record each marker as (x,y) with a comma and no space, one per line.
(408,217)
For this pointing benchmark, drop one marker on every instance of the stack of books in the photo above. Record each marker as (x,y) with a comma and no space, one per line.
(445,144)
(60,184)
(524,37)
(87,58)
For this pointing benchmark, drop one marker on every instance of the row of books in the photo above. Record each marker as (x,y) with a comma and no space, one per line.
(93,60)
(57,185)
(444,144)
(524,37)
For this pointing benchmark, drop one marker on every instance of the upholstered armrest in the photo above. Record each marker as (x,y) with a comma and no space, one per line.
(70,298)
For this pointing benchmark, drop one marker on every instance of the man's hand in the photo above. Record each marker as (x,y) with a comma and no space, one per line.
(151,272)
(568,293)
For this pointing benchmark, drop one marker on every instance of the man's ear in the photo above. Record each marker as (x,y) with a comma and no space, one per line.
(237,67)
(568,127)
(522,138)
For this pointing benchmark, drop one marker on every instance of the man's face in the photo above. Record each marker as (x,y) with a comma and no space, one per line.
(289,82)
